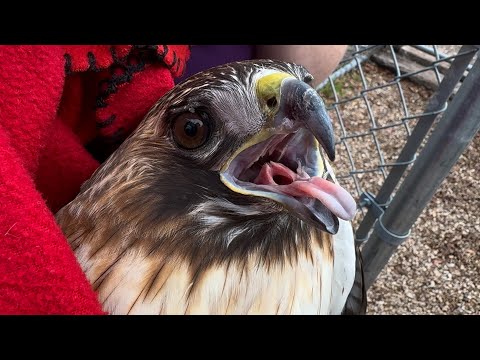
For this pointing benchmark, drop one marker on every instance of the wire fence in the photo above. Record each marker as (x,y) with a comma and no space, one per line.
(386,103)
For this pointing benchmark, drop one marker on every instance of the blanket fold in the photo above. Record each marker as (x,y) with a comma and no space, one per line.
(63,110)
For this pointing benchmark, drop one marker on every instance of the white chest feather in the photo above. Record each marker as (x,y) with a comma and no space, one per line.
(314,283)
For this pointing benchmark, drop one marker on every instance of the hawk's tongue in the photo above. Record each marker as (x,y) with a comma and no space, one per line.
(279,178)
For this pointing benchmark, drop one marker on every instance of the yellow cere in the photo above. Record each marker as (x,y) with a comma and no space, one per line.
(269,85)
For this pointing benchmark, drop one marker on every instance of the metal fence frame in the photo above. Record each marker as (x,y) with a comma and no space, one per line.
(388,216)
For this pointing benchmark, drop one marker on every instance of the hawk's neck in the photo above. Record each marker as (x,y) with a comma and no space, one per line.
(214,259)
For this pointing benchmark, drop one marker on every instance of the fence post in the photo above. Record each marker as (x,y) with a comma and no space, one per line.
(458,126)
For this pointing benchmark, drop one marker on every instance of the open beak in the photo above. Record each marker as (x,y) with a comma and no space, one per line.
(285,161)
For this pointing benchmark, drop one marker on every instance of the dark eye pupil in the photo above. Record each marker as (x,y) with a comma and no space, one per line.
(191,129)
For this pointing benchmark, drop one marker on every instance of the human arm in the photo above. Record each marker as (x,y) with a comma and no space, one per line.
(320,60)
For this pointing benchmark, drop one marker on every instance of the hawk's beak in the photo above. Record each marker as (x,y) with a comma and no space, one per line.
(284,161)
(295,103)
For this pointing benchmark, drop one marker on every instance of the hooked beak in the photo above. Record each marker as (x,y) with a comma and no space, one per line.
(301,103)
(284,162)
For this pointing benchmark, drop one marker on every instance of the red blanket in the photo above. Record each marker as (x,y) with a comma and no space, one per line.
(63,109)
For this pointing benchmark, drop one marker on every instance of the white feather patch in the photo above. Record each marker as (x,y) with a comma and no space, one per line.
(311,285)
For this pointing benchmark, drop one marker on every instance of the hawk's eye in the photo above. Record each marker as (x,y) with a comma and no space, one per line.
(191,130)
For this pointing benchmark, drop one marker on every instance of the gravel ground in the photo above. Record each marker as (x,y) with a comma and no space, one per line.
(449,49)
(436,271)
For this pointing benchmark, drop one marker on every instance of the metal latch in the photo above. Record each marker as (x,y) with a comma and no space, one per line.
(368,200)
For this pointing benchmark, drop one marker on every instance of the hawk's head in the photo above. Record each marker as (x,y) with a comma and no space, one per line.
(252,133)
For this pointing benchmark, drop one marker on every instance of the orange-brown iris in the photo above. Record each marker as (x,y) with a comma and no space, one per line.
(190,130)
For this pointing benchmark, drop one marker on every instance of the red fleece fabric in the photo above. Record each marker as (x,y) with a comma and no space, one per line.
(63,109)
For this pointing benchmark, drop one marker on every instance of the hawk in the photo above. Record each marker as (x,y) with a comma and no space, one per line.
(223,201)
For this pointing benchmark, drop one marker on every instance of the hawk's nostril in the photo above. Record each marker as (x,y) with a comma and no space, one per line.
(272,102)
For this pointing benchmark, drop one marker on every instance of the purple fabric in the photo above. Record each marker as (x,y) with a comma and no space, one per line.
(203,57)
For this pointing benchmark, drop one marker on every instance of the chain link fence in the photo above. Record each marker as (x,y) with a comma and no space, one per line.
(402,116)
